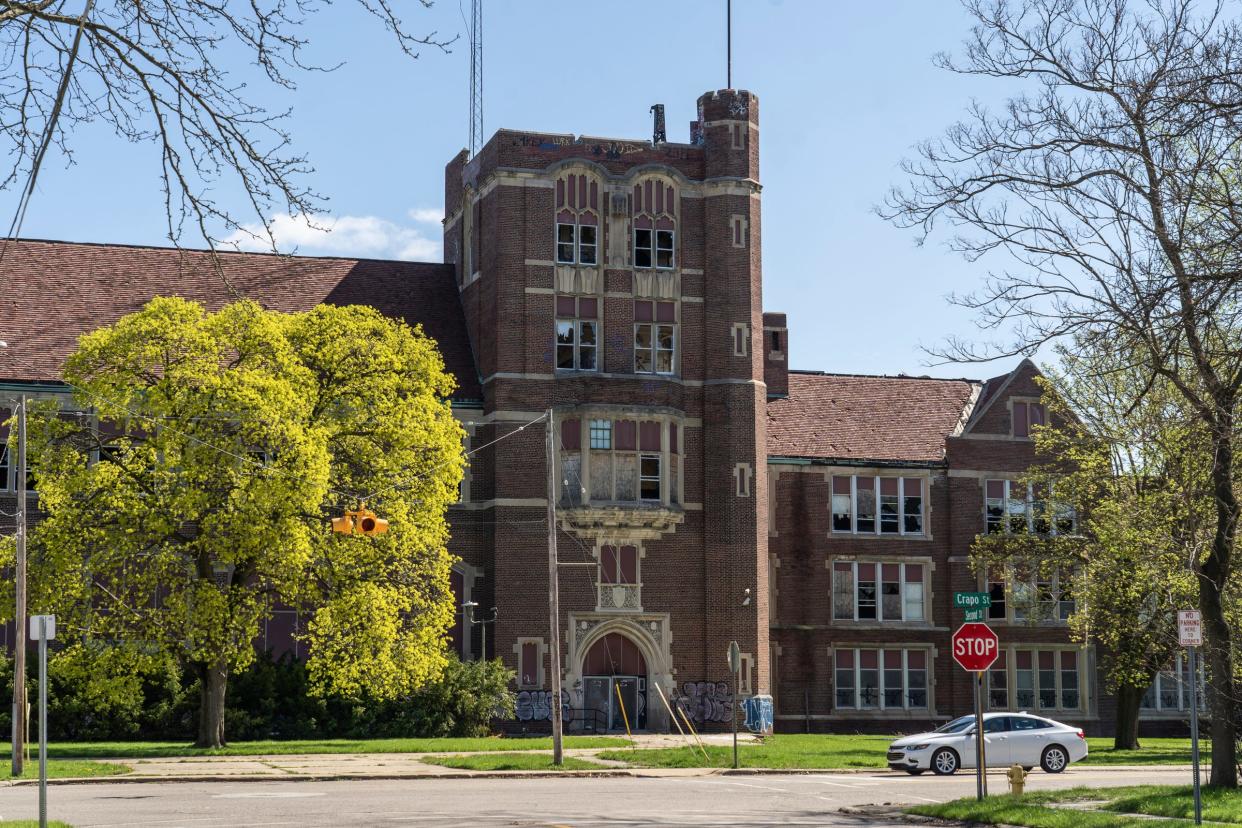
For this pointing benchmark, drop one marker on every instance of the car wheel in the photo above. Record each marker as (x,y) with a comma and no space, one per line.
(944,762)
(915,771)
(1054,759)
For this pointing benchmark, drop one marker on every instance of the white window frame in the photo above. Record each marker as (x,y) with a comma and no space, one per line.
(1025,593)
(879,587)
(577,345)
(1011,667)
(1180,679)
(924,487)
(655,350)
(905,678)
(1050,506)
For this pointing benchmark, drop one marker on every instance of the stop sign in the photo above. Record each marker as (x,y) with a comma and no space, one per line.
(975,646)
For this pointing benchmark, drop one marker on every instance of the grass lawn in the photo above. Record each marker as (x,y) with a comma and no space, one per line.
(1154,752)
(785,750)
(65,769)
(148,750)
(1027,811)
(509,762)
(826,751)
(32,823)
(1116,807)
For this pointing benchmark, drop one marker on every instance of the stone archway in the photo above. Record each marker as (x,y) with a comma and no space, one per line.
(621,649)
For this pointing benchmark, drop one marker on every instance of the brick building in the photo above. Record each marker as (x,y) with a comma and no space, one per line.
(707,492)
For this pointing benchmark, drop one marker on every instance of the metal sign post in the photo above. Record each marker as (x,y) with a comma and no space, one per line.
(43,630)
(735,667)
(975,648)
(1190,636)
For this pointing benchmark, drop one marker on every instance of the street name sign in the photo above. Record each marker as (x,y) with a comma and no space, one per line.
(975,614)
(971,600)
(1189,628)
(975,646)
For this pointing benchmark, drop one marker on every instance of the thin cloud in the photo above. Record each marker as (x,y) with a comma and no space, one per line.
(426,215)
(354,236)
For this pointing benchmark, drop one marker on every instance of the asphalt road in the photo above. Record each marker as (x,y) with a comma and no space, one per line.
(737,801)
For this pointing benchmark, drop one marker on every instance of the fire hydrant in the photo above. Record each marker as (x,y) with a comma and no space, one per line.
(1017,779)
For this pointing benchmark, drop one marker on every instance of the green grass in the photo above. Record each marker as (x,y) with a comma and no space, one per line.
(32,823)
(1116,807)
(828,751)
(1153,752)
(786,750)
(152,750)
(1027,811)
(510,762)
(66,769)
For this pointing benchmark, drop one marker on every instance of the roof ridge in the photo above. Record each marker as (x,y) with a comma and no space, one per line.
(268,253)
(809,372)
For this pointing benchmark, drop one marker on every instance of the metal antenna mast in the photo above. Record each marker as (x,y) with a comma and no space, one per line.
(476,75)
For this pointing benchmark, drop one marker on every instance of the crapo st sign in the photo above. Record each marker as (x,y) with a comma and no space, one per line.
(975,647)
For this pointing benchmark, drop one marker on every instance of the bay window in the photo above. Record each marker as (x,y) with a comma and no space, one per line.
(627,460)
(867,504)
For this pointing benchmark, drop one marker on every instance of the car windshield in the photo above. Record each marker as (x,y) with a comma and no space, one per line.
(956,726)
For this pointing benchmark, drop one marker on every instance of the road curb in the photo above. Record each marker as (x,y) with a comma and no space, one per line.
(602,772)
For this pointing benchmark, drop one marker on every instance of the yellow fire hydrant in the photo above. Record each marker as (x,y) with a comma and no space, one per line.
(1017,779)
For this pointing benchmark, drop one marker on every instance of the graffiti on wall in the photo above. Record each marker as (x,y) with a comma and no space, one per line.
(706,701)
(536,705)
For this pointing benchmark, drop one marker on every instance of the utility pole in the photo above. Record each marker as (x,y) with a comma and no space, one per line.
(19,621)
(554,605)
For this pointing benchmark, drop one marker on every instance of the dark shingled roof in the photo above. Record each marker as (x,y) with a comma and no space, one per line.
(856,418)
(55,291)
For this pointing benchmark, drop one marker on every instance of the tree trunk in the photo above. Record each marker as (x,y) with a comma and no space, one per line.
(1129,701)
(1213,577)
(213,683)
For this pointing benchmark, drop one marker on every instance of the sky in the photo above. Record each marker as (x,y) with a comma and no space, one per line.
(846,89)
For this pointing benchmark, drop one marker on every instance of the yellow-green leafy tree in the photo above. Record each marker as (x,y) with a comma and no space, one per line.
(191,490)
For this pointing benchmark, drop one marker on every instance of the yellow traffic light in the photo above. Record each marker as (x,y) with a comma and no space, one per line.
(369,524)
(363,521)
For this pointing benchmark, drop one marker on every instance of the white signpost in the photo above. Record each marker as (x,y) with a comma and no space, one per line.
(1190,636)
(43,630)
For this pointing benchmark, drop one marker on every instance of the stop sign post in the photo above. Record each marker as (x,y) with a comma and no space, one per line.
(976,648)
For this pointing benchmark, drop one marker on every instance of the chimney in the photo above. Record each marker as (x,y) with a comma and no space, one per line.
(658,134)
(776,354)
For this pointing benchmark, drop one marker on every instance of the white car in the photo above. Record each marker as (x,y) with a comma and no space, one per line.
(1009,739)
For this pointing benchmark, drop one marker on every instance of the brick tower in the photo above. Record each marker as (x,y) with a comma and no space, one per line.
(618,283)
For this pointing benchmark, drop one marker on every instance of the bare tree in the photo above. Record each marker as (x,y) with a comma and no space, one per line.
(1111,181)
(173,73)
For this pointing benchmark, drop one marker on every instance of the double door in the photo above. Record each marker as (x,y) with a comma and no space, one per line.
(619,699)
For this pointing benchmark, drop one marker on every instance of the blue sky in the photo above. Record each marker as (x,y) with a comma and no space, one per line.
(845,91)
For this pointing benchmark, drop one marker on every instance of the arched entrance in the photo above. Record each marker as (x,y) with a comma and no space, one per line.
(614,676)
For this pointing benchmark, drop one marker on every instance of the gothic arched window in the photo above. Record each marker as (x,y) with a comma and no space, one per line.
(577,219)
(655,224)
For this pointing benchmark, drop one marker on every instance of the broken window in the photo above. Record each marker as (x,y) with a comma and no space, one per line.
(577,219)
(655,223)
(655,337)
(577,333)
